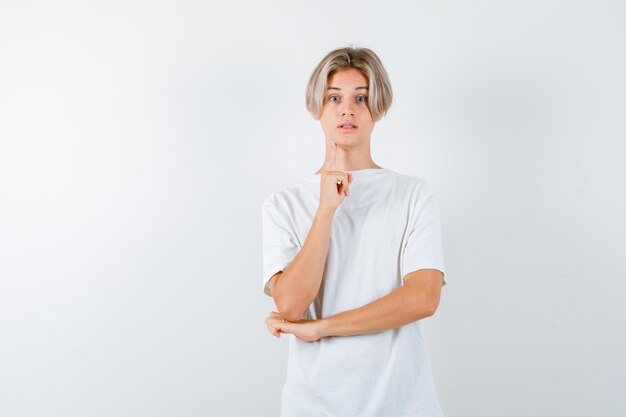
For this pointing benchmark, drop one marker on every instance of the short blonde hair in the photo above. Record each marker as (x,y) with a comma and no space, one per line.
(362,59)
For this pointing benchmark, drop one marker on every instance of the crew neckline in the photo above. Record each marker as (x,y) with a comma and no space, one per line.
(357,173)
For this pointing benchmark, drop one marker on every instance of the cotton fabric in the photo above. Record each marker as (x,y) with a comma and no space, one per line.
(387,227)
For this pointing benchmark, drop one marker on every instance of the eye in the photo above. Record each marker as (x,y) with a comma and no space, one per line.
(331,98)
(363,97)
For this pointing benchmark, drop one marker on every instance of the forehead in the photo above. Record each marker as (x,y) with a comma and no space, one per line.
(351,79)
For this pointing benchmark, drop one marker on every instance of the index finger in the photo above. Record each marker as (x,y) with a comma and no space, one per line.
(333,156)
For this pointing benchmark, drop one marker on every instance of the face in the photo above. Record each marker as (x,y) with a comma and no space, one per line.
(346,102)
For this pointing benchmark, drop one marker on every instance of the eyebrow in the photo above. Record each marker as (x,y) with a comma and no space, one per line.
(337,88)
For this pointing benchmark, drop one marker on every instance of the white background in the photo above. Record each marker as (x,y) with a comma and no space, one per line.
(138,140)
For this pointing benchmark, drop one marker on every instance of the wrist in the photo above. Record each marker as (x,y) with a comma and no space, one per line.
(324,327)
(326,211)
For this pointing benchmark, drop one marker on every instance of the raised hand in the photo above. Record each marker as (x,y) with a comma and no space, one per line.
(332,193)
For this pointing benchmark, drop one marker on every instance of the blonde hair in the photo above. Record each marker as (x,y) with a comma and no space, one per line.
(362,59)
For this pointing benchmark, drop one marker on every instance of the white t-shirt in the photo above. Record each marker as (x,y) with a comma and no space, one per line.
(387,227)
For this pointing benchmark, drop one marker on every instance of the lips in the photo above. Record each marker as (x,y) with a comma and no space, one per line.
(347,124)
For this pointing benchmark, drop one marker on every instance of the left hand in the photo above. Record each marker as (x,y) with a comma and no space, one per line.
(307,330)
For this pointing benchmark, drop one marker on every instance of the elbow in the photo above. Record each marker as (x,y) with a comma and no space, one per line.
(290,308)
(430,311)
(423,311)
(428,306)
(431,308)
(288,312)
(292,316)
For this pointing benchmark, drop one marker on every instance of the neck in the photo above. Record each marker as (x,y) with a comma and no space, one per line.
(349,159)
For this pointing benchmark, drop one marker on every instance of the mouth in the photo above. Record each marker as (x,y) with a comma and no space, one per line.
(347,127)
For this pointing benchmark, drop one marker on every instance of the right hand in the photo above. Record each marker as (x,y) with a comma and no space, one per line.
(331,193)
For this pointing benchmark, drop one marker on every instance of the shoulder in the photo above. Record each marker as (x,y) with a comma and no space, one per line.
(418,187)
(285,197)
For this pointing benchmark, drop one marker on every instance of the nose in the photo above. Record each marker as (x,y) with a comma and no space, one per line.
(347,109)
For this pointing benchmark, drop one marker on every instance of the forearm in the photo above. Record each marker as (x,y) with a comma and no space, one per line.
(402,306)
(300,282)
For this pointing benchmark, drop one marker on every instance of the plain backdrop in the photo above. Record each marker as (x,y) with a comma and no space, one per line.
(139,138)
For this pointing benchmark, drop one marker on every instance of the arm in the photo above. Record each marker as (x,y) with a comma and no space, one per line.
(297,286)
(416,299)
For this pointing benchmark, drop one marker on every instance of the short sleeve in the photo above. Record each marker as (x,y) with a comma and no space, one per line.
(280,245)
(424,246)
